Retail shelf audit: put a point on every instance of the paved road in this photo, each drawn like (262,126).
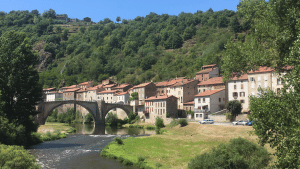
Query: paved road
(216,123)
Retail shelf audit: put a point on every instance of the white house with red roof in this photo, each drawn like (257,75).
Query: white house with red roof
(211,84)
(210,101)
(107,95)
(122,97)
(54,96)
(238,90)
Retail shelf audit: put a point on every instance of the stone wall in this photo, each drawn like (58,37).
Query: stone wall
(218,118)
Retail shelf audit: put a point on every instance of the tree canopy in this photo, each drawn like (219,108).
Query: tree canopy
(273,40)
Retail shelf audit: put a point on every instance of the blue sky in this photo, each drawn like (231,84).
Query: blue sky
(126,9)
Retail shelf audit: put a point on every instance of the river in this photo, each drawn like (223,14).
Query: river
(82,150)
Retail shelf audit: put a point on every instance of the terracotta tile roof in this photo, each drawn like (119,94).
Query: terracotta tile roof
(242,77)
(94,88)
(206,70)
(209,65)
(262,69)
(189,103)
(122,86)
(107,91)
(70,87)
(109,85)
(82,90)
(54,92)
(208,93)
(212,81)
(183,82)
(72,90)
(141,85)
(160,97)
(85,83)
(168,82)
(121,93)
(49,88)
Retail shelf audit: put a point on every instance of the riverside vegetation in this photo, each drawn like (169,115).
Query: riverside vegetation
(185,147)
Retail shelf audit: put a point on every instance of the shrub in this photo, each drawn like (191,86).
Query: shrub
(239,153)
(150,127)
(174,123)
(16,157)
(159,123)
(127,162)
(235,107)
(119,140)
(183,122)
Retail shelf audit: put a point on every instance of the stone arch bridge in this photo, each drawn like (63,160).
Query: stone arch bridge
(98,109)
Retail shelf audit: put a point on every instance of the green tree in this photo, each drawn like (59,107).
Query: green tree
(49,14)
(235,24)
(159,122)
(234,106)
(58,29)
(274,42)
(118,19)
(239,153)
(65,35)
(20,90)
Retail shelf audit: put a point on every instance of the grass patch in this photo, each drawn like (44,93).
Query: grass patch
(177,145)
(136,126)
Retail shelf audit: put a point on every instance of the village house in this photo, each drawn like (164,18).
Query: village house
(62,17)
(162,106)
(109,86)
(161,87)
(91,94)
(189,106)
(47,90)
(184,90)
(209,101)
(69,94)
(238,90)
(107,81)
(145,90)
(207,72)
(67,87)
(54,96)
(211,84)
(107,95)
(123,87)
(85,85)
(122,97)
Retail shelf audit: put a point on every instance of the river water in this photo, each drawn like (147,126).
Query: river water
(82,150)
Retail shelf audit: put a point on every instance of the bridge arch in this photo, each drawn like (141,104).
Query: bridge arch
(106,107)
(47,107)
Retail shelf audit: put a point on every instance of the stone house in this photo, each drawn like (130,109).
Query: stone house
(107,81)
(62,17)
(107,95)
(211,84)
(122,97)
(189,106)
(54,96)
(85,85)
(145,90)
(69,94)
(210,101)
(67,87)
(109,86)
(238,90)
(123,87)
(161,87)
(207,72)
(91,94)
(160,106)
(184,90)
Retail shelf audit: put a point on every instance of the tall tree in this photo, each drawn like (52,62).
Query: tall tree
(274,41)
(118,19)
(49,14)
(20,90)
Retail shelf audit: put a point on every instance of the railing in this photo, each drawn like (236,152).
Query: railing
(201,110)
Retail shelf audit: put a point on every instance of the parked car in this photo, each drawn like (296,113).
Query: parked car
(240,122)
(207,121)
(250,123)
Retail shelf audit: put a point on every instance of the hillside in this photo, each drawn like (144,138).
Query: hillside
(155,47)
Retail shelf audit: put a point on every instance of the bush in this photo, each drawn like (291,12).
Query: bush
(119,140)
(127,162)
(16,157)
(235,107)
(183,122)
(150,127)
(159,123)
(174,123)
(239,153)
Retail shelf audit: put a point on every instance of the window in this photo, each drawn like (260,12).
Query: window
(235,95)
(219,99)
(266,78)
(252,79)
(181,99)
(242,94)
(203,90)
(203,100)
(199,107)
(199,100)
(258,78)
(234,87)
(242,101)
(197,115)
(242,86)
(178,92)
(199,90)
(200,115)
(278,82)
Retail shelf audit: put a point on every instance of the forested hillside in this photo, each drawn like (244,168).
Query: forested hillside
(155,47)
